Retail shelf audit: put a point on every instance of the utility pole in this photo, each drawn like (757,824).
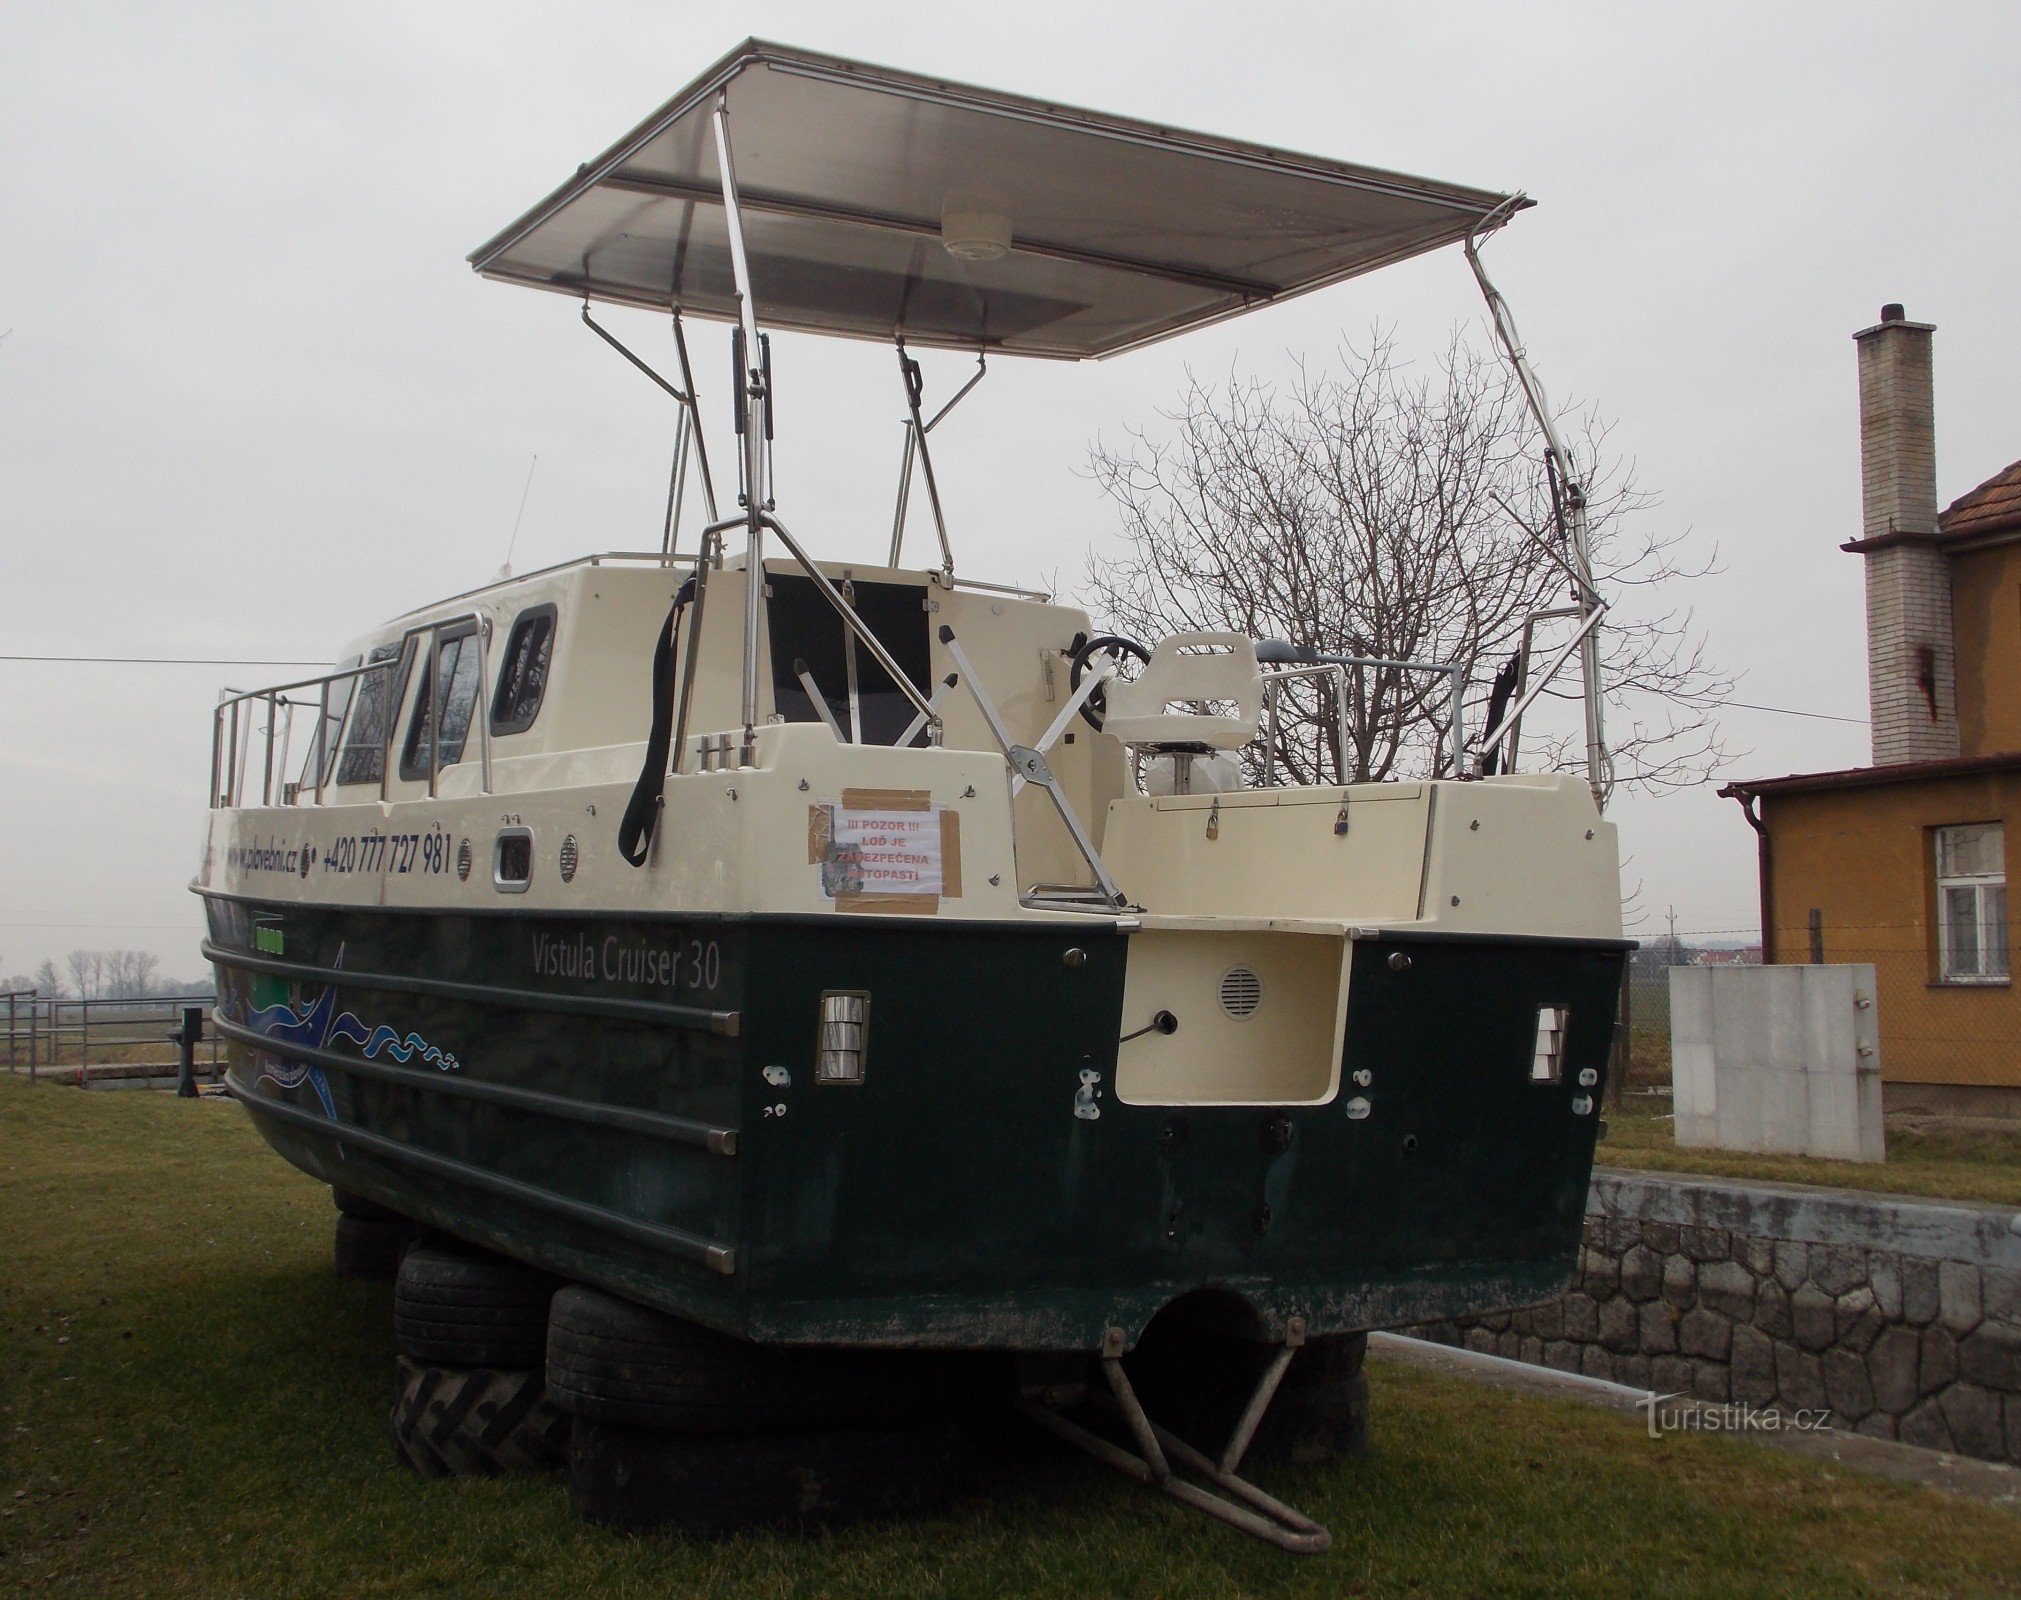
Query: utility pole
(1673,938)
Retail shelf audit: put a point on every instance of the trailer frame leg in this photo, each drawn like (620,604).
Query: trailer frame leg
(1259,1514)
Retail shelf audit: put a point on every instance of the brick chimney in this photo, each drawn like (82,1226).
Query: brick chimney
(1911,671)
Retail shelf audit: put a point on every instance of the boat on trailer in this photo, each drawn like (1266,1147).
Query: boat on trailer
(836,954)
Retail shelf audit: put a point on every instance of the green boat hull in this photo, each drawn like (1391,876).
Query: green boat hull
(630,1102)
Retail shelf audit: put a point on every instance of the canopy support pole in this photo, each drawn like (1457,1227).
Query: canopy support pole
(1569,501)
(916,430)
(752,407)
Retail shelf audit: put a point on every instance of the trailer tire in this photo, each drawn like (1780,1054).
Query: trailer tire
(612,1361)
(645,1479)
(369,1250)
(462,1422)
(356,1205)
(460,1308)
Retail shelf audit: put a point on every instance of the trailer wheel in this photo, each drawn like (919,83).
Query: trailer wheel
(459,1308)
(642,1479)
(461,1422)
(612,1361)
(369,1250)
(356,1205)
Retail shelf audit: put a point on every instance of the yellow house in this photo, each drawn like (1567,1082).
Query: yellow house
(1904,863)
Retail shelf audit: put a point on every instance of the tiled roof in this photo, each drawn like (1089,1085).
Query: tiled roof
(1993,507)
(1875,777)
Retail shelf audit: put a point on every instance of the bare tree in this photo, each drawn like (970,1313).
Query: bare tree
(85,969)
(1405,514)
(48,981)
(113,974)
(129,974)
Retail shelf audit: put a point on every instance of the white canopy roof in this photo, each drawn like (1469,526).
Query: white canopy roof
(855,180)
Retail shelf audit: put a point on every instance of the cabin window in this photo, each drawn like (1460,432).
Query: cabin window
(1972,903)
(808,633)
(363,759)
(522,676)
(323,741)
(456,660)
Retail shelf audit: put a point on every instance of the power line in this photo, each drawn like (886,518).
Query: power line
(1785,711)
(170,661)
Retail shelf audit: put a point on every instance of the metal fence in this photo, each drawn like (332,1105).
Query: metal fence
(103,1040)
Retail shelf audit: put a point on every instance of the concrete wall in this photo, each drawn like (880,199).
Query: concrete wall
(1863,859)
(1901,1316)
(1783,1059)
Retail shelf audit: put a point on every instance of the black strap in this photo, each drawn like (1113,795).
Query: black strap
(635,832)
(1498,702)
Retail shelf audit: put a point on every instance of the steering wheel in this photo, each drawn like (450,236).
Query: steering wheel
(1095,708)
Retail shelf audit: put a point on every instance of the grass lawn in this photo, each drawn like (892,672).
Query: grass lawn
(192,1404)
(1938,1163)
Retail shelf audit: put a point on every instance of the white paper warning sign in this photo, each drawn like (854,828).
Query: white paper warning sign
(876,853)
(888,850)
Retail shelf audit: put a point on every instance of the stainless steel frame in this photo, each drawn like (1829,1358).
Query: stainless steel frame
(229,753)
(1511,725)
(1310,664)
(1573,521)
(916,450)
(1028,765)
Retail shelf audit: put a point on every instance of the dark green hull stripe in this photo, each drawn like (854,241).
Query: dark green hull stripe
(686,1246)
(675,1130)
(1537,941)
(1084,922)
(728,1023)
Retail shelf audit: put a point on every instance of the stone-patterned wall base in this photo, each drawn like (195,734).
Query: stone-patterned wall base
(1902,1318)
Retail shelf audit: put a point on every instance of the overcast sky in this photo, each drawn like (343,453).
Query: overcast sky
(253,401)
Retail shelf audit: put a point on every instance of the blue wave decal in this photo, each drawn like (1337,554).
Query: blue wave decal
(319,1022)
(383,1038)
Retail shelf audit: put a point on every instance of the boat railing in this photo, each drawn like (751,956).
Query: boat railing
(234,731)
(1336,668)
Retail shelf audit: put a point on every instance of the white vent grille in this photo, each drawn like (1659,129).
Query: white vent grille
(463,859)
(1241,992)
(569,856)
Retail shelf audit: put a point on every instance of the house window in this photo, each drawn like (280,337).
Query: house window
(1972,903)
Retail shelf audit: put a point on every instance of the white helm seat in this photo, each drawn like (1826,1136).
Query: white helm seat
(1200,691)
